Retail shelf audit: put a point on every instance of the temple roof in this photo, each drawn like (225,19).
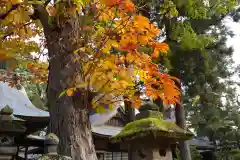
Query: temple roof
(19,102)
(201,142)
(106,130)
(23,108)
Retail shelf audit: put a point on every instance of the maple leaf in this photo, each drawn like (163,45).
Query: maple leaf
(159,48)
(70,91)
(11,85)
(116,45)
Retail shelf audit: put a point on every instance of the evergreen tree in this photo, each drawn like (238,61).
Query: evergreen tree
(200,58)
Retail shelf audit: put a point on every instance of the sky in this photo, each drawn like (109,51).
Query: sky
(234,41)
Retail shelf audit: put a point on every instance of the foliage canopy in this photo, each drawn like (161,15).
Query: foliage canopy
(114,44)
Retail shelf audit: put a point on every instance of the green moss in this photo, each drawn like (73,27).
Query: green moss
(151,126)
(6,110)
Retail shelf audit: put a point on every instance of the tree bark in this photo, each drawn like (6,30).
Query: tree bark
(68,115)
(130,113)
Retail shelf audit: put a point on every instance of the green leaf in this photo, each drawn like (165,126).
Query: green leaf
(111,106)
(100,110)
(195,100)
(62,94)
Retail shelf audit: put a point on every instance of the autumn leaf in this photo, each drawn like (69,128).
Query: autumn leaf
(11,85)
(3,56)
(159,48)
(70,91)
(109,60)
(136,102)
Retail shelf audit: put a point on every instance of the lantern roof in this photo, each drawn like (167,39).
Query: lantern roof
(152,127)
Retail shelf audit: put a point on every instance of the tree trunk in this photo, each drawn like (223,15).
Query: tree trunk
(185,153)
(130,113)
(183,145)
(72,127)
(68,115)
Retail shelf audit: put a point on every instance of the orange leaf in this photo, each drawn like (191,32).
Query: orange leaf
(136,102)
(11,85)
(70,92)
(155,53)
(159,47)
(3,56)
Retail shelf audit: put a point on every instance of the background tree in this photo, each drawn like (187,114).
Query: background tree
(35,91)
(199,57)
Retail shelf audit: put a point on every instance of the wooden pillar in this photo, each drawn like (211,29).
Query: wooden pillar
(185,153)
(25,154)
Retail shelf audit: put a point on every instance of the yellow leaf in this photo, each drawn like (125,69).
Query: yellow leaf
(70,91)
(111,106)
(130,57)
(16,1)
(82,85)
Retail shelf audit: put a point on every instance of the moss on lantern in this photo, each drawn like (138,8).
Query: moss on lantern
(52,136)
(151,126)
(7,110)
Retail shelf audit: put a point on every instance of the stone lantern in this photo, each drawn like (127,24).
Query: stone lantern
(9,128)
(150,136)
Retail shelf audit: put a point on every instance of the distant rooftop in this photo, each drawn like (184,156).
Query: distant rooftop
(19,102)
(201,142)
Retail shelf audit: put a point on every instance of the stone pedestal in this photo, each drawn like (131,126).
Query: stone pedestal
(153,154)
(50,144)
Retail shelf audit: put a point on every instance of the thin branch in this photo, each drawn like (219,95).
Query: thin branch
(4,15)
(42,15)
(11,33)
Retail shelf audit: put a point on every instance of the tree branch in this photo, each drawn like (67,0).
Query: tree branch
(11,33)
(41,13)
(4,15)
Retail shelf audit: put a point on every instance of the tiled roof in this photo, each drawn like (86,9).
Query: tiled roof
(199,142)
(106,130)
(19,102)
